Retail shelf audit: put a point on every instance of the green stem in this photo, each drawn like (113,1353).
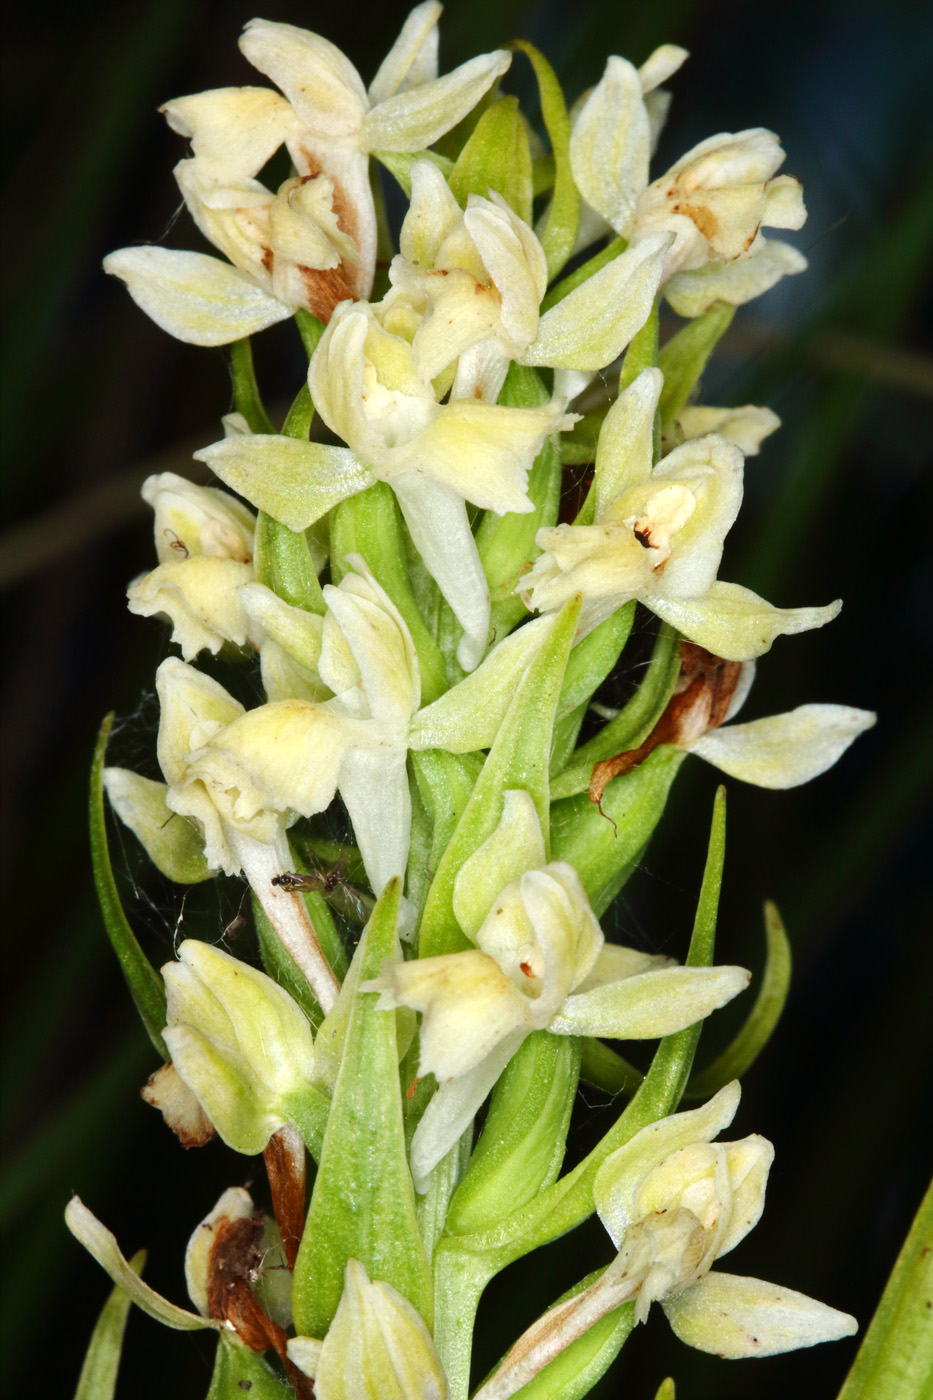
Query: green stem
(246,396)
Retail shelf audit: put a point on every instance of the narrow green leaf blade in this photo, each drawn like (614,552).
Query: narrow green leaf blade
(144,982)
(563,216)
(363,1204)
(761,1020)
(895,1361)
(98,1379)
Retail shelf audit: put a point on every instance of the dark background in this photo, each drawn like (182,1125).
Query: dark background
(96,397)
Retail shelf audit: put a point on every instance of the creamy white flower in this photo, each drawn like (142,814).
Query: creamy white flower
(674,1202)
(204,541)
(253,774)
(312,242)
(714,200)
(365,384)
(473,280)
(541,963)
(239,1042)
(658,536)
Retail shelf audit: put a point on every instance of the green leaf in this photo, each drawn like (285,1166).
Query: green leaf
(506,543)
(592,660)
(371,524)
(98,1379)
(761,1020)
(632,725)
(666,1390)
(522,1145)
(604,847)
(246,396)
(363,1205)
(238,1371)
(144,982)
(576,278)
(683,359)
(519,758)
(496,157)
(895,1360)
(562,220)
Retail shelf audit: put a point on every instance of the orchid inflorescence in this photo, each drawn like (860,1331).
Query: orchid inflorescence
(433,616)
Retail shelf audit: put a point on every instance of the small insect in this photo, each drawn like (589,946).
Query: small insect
(351,903)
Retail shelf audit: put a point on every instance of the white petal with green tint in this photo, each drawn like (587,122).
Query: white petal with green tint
(233,131)
(319,81)
(454,1106)
(733,622)
(172,843)
(610,144)
(294,482)
(617,1182)
(416,117)
(437,520)
(737,1317)
(515,846)
(200,596)
(99,1241)
(747,427)
(651,1003)
(783,751)
(195,297)
(412,59)
(624,451)
(756,272)
(193,708)
(589,328)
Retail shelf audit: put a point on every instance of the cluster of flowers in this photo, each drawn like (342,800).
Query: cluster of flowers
(447,394)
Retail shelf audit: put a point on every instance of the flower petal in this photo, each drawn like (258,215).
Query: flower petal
(98,1240)
(786,750)
(319,81)
(736,1317)
(624,451)
(733,622)
(195,297)
(233,131)
(650,1004)
(412,59)
(454,1106)
(295,482)
(618,1179)
(593,325)
(610,144)
(766,262)
(747,427)
(437,521)
(374,788)
(200,596)
(415,117)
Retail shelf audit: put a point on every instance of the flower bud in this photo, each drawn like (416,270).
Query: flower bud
(377,1347)
(238,1041)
